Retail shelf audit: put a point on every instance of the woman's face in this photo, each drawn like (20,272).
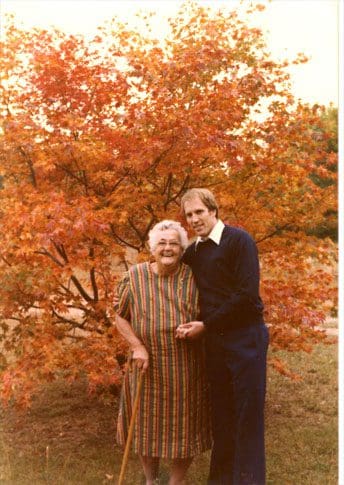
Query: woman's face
(168,250)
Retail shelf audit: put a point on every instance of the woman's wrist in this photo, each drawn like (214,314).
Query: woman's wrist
(136,346)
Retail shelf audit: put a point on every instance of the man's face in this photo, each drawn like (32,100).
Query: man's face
(199,217)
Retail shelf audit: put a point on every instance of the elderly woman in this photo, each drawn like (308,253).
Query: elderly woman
(173,416)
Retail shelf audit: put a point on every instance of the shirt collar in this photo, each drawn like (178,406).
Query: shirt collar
(215,233)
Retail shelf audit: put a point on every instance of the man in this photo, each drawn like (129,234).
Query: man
(225,264)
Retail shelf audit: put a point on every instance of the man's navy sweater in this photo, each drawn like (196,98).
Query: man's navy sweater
(227,277)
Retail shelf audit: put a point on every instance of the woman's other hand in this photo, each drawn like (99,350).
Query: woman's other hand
(140,357)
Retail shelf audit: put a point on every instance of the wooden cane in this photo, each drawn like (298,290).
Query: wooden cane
(131,429)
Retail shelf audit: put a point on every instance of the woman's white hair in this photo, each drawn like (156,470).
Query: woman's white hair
(154,236)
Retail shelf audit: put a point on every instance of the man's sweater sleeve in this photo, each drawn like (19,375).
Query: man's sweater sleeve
(244,298)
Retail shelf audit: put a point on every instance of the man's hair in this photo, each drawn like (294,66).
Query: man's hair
(204,195)
(154,234)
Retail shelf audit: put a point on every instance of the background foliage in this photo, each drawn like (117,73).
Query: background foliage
(99,141)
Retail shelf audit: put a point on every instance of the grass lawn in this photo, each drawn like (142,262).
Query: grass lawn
(67,437)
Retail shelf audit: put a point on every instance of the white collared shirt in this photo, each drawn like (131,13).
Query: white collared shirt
(215,234)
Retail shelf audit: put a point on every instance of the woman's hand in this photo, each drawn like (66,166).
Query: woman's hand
(190,330)
(140,357)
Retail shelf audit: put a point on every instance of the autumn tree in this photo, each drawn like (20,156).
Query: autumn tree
(100,138)
(328,129)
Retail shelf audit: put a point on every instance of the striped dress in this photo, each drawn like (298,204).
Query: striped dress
(173,418)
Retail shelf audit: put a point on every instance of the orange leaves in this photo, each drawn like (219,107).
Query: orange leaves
(299,294)
(283,369)
(46,359)
(100,141)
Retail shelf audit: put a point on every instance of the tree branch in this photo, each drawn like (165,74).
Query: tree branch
(5,260)
(177,195)
(93,278)
(67,320)
(66,289)
(126,243)
(30,164)
(276,231)
(80,288)
(44,252)
(114,187)
(136,230)
(160,157)
(61,250)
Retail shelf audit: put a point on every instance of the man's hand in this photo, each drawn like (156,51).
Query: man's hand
(190,330)
(140,357)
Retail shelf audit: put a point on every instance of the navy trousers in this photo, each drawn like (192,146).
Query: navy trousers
(236,363)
